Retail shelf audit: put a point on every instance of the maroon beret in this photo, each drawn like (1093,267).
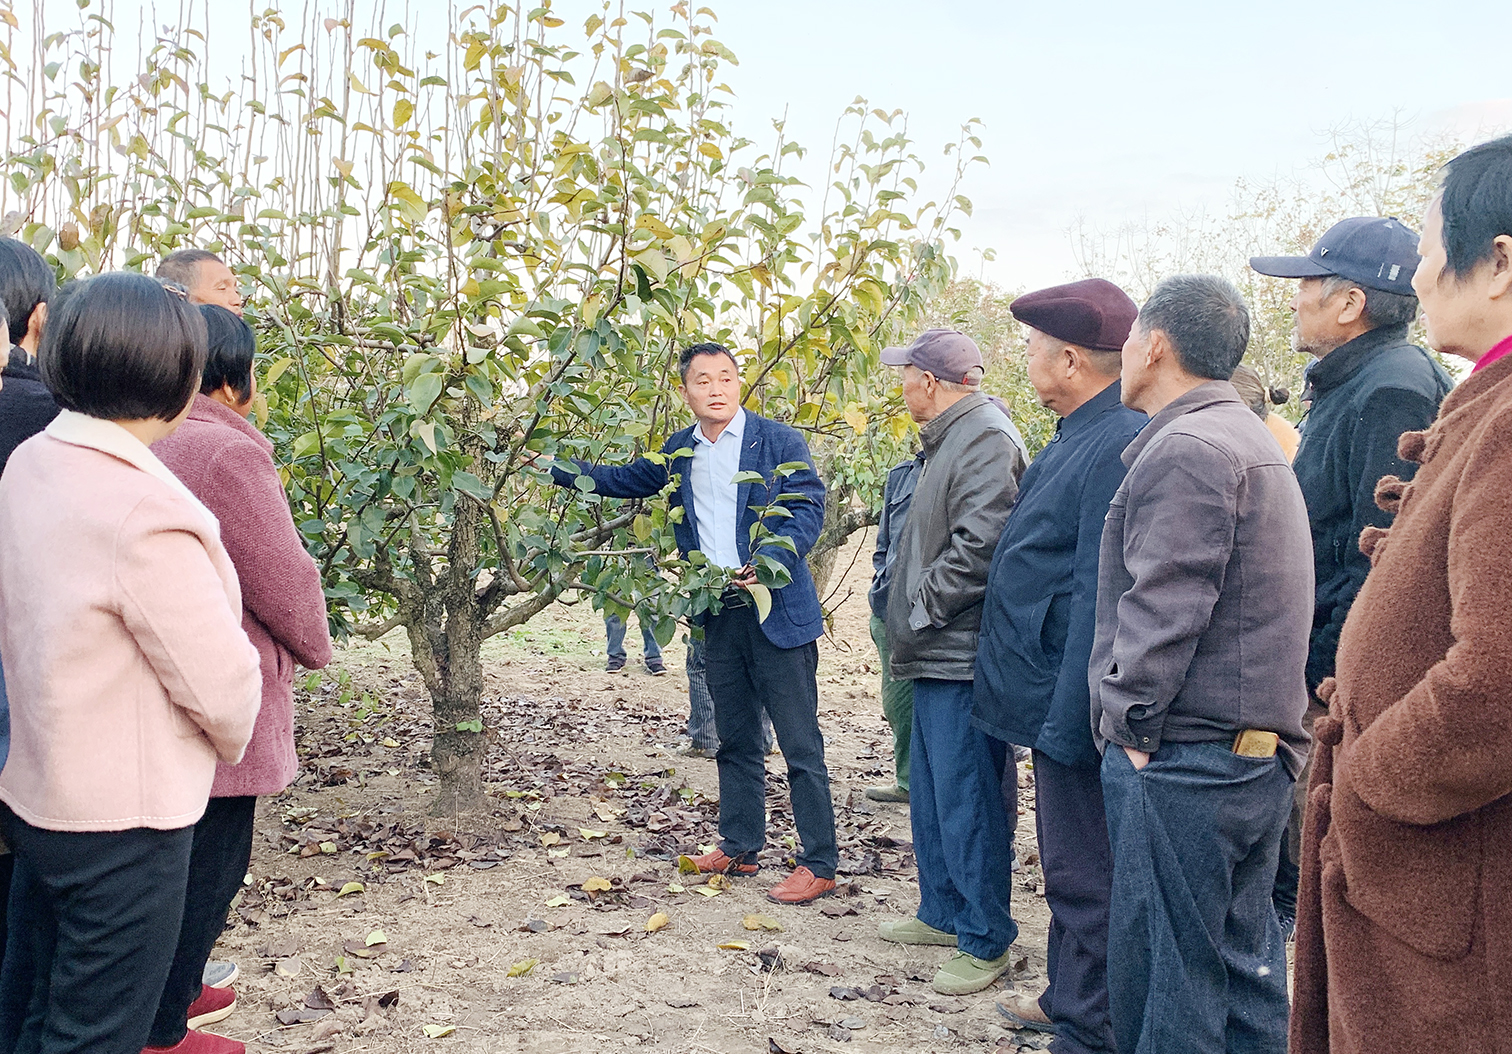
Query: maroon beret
(1092,313)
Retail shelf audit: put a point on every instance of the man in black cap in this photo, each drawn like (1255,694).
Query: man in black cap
(973,458)
(1038,621)
(1368,385)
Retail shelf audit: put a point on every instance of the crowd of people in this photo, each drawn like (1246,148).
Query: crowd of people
(1260,674)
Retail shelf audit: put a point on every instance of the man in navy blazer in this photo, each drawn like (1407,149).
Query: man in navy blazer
(750,663)
(1038,620)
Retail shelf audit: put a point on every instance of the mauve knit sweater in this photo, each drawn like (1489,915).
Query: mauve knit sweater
(228,464)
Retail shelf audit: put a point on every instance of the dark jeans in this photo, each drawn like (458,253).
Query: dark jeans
(1288,866)
(217,863)
(897,704)
(748,673)
(1197,962)
(614,633)
(94,917)
(701,730)
(1078,863)
(960,824)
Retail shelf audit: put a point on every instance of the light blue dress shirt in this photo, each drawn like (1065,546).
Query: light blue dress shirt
(714,495)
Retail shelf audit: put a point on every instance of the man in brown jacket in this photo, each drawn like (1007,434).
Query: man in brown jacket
(1204,598)
(1404,928)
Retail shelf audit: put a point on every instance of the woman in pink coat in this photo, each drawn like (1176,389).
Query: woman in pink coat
(227,463)
(128,671)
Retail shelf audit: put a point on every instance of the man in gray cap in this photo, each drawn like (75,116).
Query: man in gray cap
(973,458)
(1367,385)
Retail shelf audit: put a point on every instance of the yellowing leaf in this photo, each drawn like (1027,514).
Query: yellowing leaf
(357,85)
(328,847)
(708,149)
(521,968)
(558,852)
(436,880)
(762,596)
(352,887)
(550,838)
(675,888)
(597,885)
(720,882)
(590,835)
(735,946)
(855,417)
(599,94)
(376,937)
(437,1031)
(761,922)
(686,866)
(657,921)
(707,891)
(390,742)
(403,111)
(560,901)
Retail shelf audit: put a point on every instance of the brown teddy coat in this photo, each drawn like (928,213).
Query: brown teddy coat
(1404,928)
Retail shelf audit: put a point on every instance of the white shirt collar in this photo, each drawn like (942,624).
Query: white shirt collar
(735,428)
(78,429)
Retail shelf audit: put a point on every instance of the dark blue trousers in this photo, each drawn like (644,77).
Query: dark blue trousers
(960,826)
(747,674)
(614,638)
(1078,864)
(1196,960)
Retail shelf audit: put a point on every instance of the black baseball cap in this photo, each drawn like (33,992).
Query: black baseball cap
(1377,253)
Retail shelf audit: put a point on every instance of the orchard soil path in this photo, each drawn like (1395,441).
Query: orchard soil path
(490,935)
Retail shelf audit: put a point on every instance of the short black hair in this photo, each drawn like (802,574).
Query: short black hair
(1381,308)
(25,282)
(685,360)
(1205,318)
(182,265)
(122,347)
(231,345)
(1476,204)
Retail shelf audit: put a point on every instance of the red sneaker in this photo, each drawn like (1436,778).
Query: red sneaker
(801,887)
(719,861)
(214,1004)
(200,1043)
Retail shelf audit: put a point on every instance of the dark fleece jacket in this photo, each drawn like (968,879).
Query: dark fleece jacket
(1404,935)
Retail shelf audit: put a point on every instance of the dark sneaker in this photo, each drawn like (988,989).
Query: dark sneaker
(213,1004)
(720,862)
(801,887)
(614,666)
(656,668)
(688,750)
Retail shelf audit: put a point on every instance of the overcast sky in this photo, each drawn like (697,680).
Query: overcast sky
(1099,112)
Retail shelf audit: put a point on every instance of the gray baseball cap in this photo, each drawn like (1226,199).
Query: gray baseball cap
(946,353)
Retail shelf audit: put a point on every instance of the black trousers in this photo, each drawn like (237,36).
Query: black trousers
(94,916)
(217,863)
(1078,864)
(746,673)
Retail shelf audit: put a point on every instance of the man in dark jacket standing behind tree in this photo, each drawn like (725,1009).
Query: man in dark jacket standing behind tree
(973,458)
(26,406)
(1367,385)
(1037,624)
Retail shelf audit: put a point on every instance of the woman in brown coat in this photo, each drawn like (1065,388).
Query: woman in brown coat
(1404,935)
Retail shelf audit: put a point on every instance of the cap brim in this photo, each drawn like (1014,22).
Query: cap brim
(1289,266)
(895,357)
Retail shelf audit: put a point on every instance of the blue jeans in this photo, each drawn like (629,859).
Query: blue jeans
(960,824)
(614,631)
(701,730)
(1196,960)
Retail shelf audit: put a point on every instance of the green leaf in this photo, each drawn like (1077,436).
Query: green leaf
(471,485)
(425,391)
(747,477)
(438,1031)
(763,599)
(475,725)
(350,888)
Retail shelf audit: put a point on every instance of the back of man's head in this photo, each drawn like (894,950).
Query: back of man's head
(26,281)
(182,265)
(1476,205)
(1206,321)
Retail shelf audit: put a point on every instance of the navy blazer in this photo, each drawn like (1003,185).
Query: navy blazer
(796,617)
(1039,615)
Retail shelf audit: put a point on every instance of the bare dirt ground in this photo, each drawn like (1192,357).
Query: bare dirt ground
(367,926)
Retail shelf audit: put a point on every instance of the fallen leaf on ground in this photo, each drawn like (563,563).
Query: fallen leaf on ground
(708,891)
(836,909)
(597,885)
(521,968)
(550,838)
(559,901)
(363,951)
(720,882)
(437,1031)
(761,922)
(823,969)
(436,880)
(318,1000)
(563,978)
(675,888)
(352,887)
(590,835)
(376,937)
(288,968)
(735,946)
(657,922)
(686,866)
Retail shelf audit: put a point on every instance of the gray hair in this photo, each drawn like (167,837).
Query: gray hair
(1206,320)
(1381,308)
(182,266)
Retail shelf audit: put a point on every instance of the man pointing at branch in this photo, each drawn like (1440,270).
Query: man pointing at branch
(751,663)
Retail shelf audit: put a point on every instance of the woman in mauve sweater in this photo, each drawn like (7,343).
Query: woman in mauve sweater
(128,672)
(228,464)
(1404,922)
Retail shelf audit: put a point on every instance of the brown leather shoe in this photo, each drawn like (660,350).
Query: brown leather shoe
(1023,1011)
(720,862)
(801,887)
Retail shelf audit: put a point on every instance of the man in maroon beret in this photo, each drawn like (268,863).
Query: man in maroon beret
(1038,621)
